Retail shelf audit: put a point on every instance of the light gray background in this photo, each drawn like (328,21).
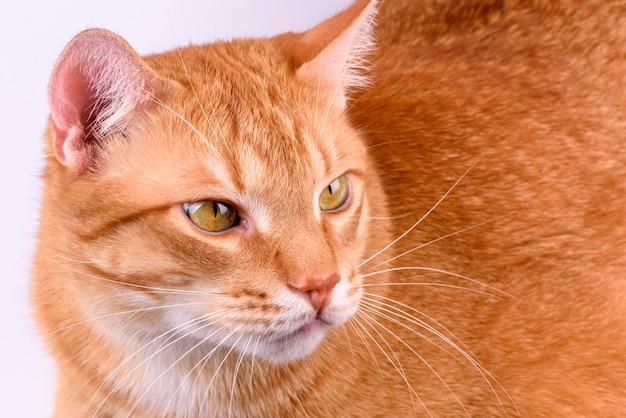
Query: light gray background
(32,34)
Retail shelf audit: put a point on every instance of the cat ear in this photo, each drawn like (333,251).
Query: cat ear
(332,54)
(98,84)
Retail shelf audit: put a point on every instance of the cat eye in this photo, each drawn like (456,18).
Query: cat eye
(212,215)
(335,194)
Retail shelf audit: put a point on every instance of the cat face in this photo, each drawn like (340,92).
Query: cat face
(231,209)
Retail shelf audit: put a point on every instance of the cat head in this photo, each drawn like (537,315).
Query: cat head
(218,191)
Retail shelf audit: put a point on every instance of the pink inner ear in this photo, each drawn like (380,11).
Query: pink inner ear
(71,97)
(339,46)
(97,84)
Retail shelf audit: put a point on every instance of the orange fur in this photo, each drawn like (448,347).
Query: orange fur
(498,125)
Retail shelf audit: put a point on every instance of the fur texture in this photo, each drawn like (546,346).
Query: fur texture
(476,268)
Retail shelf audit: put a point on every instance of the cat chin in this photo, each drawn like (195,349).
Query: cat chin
(294,346)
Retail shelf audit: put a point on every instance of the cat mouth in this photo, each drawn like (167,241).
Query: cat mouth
(311,326)
(296,343)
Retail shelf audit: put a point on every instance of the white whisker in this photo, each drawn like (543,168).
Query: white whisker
(120,313)
(180,358)
(419,221)
(164,345)
(398,366)
(420,357)
(365,343)
(419,247)
(235,373)
(217,370)
(388,311)
(132,285)
(447,273)
(431,284)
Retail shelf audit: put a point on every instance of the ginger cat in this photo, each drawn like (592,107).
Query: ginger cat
(416,208)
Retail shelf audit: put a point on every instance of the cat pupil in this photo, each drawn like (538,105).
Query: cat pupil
(335,194)
(212,215)
(216,208)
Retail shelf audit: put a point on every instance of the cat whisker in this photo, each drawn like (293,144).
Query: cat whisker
(420,220)
(219,367)
(164,345)
(235,373)
(389,142)
(419,247)
(193,128)
(345,331)
(120,313)
(110,376)
(388,312)
(198,366)
(397,365)
(180,358)
(195,94)
(431,284)
(252,362)
(396,313)
(365,343)
(444,272)
(411,349)
(134,285)
(65,258)
(404,309)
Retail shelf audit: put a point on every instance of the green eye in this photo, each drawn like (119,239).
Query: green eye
(211,215)
(335,194)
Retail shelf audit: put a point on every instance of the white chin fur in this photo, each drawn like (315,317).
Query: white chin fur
(291,348)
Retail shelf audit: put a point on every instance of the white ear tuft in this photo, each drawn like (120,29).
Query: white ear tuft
(334,53)
(95,88)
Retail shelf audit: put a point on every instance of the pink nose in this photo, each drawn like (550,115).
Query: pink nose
(317,290)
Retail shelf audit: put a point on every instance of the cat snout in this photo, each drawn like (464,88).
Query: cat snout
(317,288)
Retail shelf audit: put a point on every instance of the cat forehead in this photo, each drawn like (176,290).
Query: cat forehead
(240,131)
(255,110)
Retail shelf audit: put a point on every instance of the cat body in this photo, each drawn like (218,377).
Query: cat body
(474,266)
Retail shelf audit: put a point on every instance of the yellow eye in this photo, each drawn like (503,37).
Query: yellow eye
(335,194)
(211,215)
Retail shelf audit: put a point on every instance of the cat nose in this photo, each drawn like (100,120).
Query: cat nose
(317,288)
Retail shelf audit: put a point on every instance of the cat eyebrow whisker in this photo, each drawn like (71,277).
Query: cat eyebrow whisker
(317,98)
(380,144)
(390,218)
(194,129)
(419,221)
(198,101)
